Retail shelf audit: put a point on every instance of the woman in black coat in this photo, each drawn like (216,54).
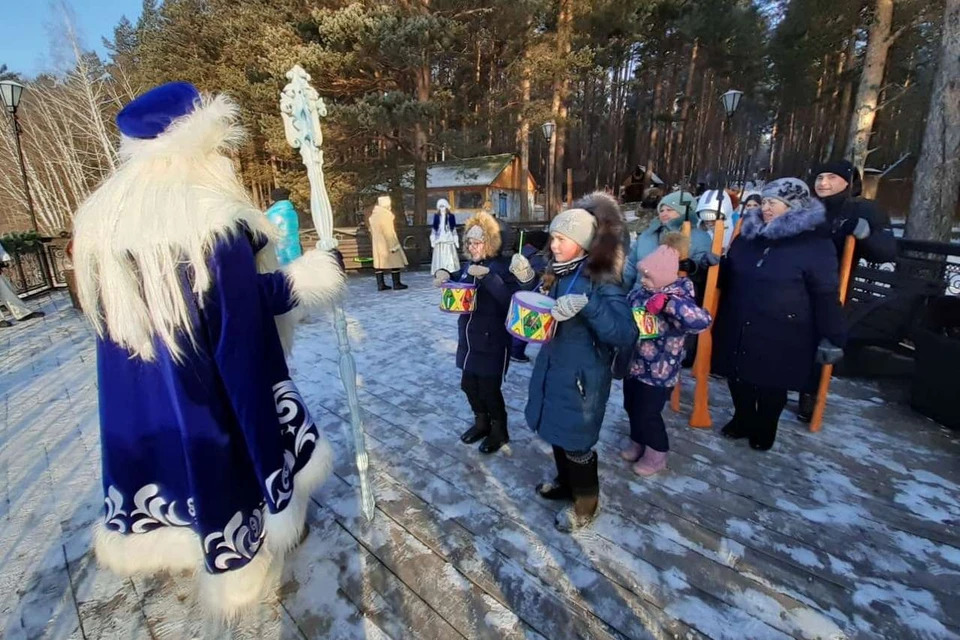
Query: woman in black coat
(779,309)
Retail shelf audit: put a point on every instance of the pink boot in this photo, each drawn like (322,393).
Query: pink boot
(633,452)
(650,462)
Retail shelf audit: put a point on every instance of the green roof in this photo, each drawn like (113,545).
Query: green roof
(467,172)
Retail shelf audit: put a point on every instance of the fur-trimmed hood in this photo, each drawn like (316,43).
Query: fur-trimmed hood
(170,201)
(792,223)
(606,254)
(493,243)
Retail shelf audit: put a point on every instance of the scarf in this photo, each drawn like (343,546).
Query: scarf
(565,268)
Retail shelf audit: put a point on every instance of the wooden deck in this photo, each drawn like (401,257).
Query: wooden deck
(850,533)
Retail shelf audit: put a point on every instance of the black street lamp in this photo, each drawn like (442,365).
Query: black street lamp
(548,128)
(731,102)
(11,92)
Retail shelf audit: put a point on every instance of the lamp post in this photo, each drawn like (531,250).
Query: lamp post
(548,128)
(11,92)
(731,102)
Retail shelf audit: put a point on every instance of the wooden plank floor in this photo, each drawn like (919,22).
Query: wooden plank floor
(850,533)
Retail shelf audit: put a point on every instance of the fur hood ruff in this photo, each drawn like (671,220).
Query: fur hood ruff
(790,224)
(491,234)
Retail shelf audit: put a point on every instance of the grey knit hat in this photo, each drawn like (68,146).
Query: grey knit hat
(792,192)
(577,224)
(474,233)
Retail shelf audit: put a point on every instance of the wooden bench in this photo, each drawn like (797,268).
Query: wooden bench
(886,301)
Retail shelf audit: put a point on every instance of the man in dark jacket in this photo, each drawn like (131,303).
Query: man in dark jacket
(838,185)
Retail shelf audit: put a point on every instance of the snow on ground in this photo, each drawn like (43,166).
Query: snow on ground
(849,533)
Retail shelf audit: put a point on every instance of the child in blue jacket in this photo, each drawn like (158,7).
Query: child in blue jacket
(571,379)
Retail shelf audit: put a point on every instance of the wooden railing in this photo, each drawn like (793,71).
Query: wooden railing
(39,270)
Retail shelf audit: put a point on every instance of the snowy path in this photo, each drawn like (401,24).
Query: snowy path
(850,533)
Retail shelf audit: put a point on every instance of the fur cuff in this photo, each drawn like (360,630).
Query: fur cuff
(315,279)
(285,527)
(225,595)
(165,549)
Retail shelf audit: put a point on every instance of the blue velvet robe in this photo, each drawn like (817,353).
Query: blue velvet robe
(212,441)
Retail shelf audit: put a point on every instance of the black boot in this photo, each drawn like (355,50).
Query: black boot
(381,285)
(805,407)
(559,489)
(770,404)
(735,429)
(479,430)
(397,285)
(497,437)
(585,484)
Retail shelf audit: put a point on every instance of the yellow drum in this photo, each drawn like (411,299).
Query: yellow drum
(647,323)
(458,297)
(529,318)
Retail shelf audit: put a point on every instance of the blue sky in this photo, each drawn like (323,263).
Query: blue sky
(30,27)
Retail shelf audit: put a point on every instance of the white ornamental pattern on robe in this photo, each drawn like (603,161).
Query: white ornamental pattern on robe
(239,540)
(299,434)
(151,510)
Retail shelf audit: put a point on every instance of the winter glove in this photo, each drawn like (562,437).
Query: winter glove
(710,259)
(568,306)
(859,228)
(478,270)
(862,230)
(828,353)
(688,266)
(520,267)
(656,303)
(440,277)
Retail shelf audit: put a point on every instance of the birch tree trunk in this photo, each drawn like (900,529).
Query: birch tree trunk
(936,179)
(871,81)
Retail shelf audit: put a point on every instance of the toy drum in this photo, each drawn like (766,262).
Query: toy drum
(647,323)
(458,297)
(529,318)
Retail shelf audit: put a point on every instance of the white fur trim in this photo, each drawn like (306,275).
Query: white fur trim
(211,127)
(316,279)
(175,549)
(166,206)
(285,528)
(226,595)
(164,549)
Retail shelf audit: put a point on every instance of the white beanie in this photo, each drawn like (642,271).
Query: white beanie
(577,224)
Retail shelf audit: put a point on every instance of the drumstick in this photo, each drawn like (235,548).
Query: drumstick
(846,266)
(700,418)
(520,249)
(675,395)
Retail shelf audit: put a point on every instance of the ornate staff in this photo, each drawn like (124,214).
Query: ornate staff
(302,108)
(846,266)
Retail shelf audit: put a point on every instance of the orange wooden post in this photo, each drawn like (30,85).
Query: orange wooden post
(846,267)
(675,396)
(700,418)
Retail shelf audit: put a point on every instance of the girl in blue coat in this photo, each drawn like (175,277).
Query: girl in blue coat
(779,309)
(571,379)
(483,349)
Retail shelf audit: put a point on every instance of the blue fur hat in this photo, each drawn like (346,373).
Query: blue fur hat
(150,114)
